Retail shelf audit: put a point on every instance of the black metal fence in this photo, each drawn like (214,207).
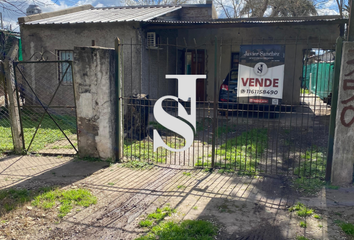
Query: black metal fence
(47,106)
(287,137)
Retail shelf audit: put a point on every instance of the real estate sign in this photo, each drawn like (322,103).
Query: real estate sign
(261,73)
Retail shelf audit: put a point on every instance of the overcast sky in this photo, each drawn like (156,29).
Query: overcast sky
(10,17)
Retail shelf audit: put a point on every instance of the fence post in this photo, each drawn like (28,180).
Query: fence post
(215,105)
(351,21)
(119,106)
(334,101)
(14,105)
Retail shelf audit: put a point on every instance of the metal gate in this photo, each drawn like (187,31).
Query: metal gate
(286,138)
(47,106)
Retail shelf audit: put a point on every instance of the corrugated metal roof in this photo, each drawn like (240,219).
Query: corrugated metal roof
(256,20)
(106,15)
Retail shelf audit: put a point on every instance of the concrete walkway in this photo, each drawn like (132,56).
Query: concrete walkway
(243,207)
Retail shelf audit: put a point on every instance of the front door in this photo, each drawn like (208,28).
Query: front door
(195,64)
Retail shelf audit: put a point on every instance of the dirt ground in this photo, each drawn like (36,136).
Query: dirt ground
(242,207)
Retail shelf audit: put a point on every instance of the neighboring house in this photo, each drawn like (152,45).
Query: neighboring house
(169,39)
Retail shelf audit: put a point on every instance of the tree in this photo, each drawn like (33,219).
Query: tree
(342,6)
(279,8)
(154,2)
(255,8)
(292,8)
(232,10)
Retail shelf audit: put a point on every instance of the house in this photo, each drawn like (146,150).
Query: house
(181,39)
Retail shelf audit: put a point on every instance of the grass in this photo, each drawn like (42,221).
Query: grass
(301,210)
(317,216)
(311,172)
(308,186)
(157,216)
(187,174)
(47,133)
(65,200)
(313,164)
(305,91)
(181,187)
(301,238)
(242,151)
(12,198)
(138,165)
(188,229)
(348,228)
(170,230)
(145,223)
(303,224)
(110,184)
(222,130)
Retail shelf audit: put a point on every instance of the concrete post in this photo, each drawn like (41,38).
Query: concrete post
(343,154)
(14,108)
(119,85)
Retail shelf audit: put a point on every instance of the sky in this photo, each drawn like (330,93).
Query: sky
(10,17)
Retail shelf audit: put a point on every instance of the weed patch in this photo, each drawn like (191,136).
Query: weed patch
(301,238)
(64,199)
(138,165)
(241,152)
(348,228)
(301,210)
(46,134)
(303,224)
(12,198)
(188,229)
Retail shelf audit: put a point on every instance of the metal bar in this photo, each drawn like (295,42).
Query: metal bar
(46,108)
(57,61)
(77,125)
(351,21)
(38,106)
(334,101)
(215,104)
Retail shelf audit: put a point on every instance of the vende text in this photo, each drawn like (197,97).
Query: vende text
(260,82)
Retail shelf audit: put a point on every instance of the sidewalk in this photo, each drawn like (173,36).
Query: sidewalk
(243,207)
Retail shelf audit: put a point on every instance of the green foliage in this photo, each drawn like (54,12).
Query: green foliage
(317,216)
(144,151)
(181,187)
(305,91)
(348,228)
(301,210)
(10,199)
(110,184)
(308,186)
(303,224)
(301,238)
(187,174)
(225,129)
(47,133)
(138,165)
(145,223)
(188,229)
(329,186)
(312,164)
(242,151)
(66,199)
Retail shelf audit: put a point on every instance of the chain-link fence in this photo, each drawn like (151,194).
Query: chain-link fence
(47,104)
(6,142)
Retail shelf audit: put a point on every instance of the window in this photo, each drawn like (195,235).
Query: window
(63,67)
(151,39)
(235,58)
